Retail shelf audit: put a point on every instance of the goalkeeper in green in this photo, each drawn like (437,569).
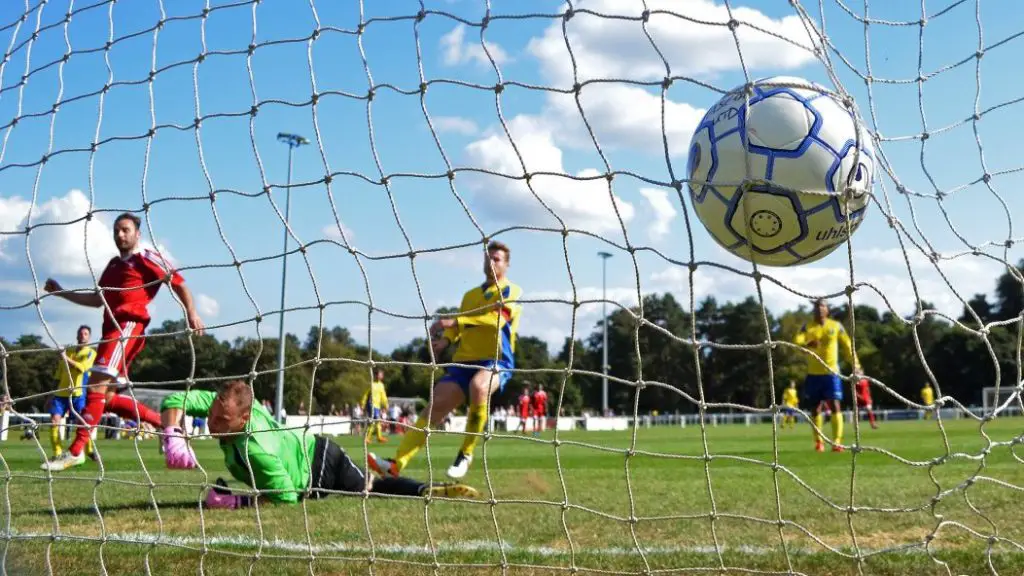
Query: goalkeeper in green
(281,464)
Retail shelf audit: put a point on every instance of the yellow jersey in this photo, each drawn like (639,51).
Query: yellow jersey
(488,323)
(790,398)
(927,396)
(825,339)
(375,396)
(69,377)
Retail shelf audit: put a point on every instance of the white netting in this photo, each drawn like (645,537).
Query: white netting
(565,120)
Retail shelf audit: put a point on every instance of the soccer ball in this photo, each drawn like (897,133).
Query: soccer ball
(811,168)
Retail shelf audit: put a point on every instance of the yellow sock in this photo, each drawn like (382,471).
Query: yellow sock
(412,441)
(369,430)
(837,427)
(476,419)
(89,448)
(819,421)
(55,441)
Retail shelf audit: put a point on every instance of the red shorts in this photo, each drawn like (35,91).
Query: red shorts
(524,415)
(864,401)
(119,346)
(538,414)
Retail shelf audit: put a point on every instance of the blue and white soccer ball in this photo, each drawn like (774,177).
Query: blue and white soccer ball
(811,168)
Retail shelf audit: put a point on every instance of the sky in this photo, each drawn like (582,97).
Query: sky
(358,234)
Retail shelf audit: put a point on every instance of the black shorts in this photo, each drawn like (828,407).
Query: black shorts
(333,470)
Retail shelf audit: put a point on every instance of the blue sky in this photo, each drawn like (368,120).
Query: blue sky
(424,213)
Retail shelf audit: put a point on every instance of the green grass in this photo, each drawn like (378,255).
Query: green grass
(681,524)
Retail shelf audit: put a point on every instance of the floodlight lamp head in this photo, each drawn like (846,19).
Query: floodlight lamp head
(293,140)
(605,255)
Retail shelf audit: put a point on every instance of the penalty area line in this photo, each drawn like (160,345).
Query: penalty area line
(467,546)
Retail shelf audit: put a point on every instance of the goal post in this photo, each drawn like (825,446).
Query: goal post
(390,143)
(1001,401)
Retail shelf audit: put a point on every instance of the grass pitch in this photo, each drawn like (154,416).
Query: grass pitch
(587,504)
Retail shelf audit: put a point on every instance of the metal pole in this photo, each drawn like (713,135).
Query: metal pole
(604,329)
(293,142)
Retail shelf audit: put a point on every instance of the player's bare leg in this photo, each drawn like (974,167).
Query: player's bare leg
(484,384)
(447,395)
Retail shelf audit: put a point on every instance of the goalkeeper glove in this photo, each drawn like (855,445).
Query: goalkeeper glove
(177,453)
(221,497)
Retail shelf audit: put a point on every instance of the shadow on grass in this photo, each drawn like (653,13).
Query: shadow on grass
(127,507)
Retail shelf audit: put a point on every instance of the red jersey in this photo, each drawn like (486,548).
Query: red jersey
(524,405)
(540,402)
(864,388)
(130,284)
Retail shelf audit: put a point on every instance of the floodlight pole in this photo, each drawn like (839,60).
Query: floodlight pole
(293,141)
(604,328)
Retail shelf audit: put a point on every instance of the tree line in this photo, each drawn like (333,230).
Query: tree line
(892,349)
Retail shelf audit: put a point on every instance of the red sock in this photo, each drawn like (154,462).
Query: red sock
(125,406)
(871,417)
(94,407)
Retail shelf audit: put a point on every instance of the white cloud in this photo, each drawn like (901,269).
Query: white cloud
(621,116)
(207,306)
(583,204)
(626,116)
(664,211)
(455,124)
(457,50)
(61,237)
(617,48)
(331,231)
(12,214)
(18,287)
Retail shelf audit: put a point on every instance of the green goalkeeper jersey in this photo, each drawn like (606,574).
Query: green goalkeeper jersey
(279,459)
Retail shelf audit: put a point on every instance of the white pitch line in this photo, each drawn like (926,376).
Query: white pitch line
(443,547)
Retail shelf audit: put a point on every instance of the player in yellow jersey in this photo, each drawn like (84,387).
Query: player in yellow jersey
(927,398)
(790,401)
(69,399)
(825,337)
(375,406)
(485,333)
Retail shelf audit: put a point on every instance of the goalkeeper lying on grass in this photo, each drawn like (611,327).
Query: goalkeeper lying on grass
(283,465)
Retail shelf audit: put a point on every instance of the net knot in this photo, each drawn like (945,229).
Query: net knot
(733,24)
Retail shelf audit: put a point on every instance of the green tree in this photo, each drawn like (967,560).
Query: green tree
(169,356)
(29,371)
(247,355)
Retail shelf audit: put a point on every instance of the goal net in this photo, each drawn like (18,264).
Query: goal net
(333,172)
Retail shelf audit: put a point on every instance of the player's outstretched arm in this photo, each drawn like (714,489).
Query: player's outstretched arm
(185,295)
(268,474)
(81,362)
(177,453)
(846,344)
(90,299)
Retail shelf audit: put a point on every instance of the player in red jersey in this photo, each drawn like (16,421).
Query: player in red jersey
(127,286)
(863,398)
(524,410)
(540,409)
